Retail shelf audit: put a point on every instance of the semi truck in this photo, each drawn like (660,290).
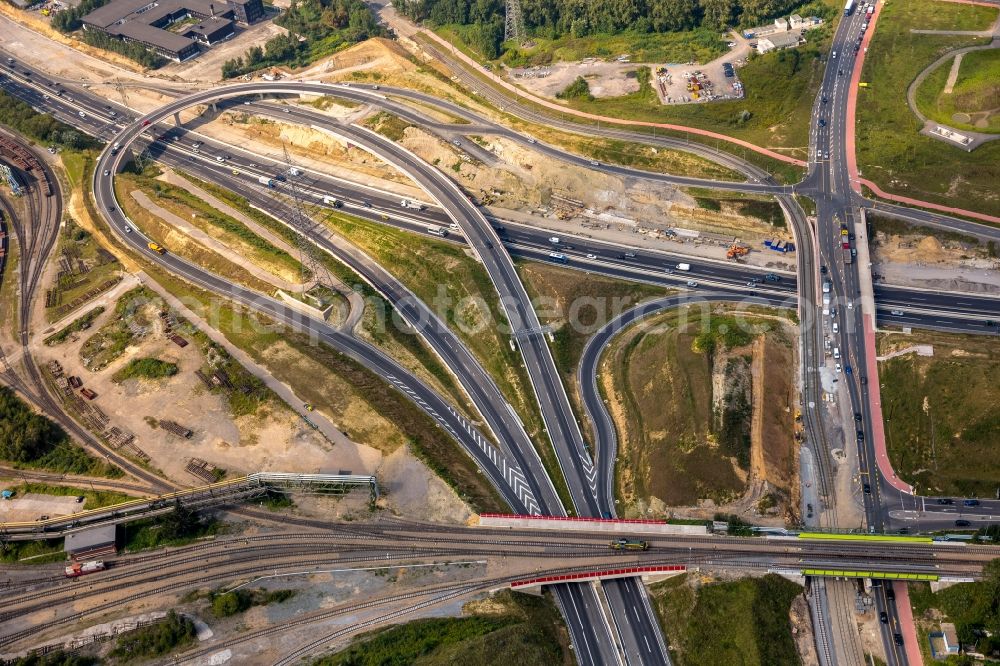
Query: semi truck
(83,568)
(332,201)
(436,230)
(849,8)
(629,544)
(266,180)
(415,205)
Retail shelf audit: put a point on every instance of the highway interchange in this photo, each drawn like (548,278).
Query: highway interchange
(589,484)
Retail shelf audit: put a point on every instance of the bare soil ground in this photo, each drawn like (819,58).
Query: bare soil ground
(606,79)
(921,260)
(208,66)
(33,505)
(665,397)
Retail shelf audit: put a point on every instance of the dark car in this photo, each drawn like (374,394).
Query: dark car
(771,277)
(883,617)
(897,639)
(500,229)
(945,500)
(822,269)
(962,523)
(861,435)
(857,416)
(864,380)
(890,594)
(971,502)
(867,488)
(822,122)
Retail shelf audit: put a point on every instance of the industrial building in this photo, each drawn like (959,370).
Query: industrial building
(148,23)
(92,542)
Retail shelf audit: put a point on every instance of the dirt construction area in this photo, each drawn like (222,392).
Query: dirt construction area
(605,79)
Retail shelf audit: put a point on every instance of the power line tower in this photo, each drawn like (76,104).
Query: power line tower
(120,87)
(513,23)
(312,267)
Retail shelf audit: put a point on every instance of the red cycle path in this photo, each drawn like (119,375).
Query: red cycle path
(852,105)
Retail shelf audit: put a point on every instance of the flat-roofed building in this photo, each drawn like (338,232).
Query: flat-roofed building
(146,22)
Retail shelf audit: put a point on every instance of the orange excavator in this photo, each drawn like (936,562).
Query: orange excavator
(737,251)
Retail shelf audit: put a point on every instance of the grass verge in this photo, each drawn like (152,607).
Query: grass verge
(93,499)
(740,622)
(942,413)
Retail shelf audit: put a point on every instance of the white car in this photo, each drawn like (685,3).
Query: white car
(850,305)
(838,368)
(220,158)
(128,230)
(594,163)
(107,173)
(692,283)
(81,114)
(591,256)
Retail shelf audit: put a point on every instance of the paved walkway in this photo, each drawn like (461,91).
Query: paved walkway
(919,350)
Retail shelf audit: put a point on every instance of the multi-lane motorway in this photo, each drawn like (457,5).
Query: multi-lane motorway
(588,485)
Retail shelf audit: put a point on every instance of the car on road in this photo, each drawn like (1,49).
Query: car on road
(857,416)
(897,639)
(836,366)
(883,617)
(896,313)
(236,172)
(457,142)
(145,123)
(220,158)
(890,594)
(692,283)
(822,122)
(823,270)
(128,230)
(752,284)
(530,140)
(860,435)
(971,502)
(834,54)
(771,277)
(594,163)
(962,523)
(848,369)
(864,380)
(945,500)
(867,488)
(81,114)
(554,240)
(107,173)
(591,256)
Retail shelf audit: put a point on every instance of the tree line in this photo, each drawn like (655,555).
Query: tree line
(39,126)
(553,19)
(315,28)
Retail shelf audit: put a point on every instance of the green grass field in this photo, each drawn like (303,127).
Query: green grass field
(742,622)
(942,413)
(890,150)
(974,102)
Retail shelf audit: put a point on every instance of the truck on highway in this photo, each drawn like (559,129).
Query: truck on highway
(558,257)
(157,248)
(332,201)
(629,544)
(848,253)
(83,568)
(266,180)
(436,230)
(849,8)
(415,205)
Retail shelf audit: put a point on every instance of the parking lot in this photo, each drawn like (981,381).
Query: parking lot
(33,507)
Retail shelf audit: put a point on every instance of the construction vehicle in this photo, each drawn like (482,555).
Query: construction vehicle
(83,568)
(157,248)
(629,544)
(737,251)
